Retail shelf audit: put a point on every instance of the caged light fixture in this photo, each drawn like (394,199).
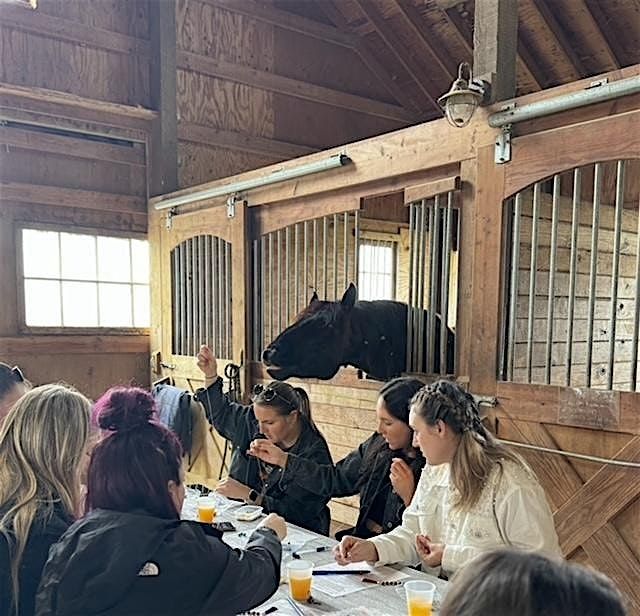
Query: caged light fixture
(466,93)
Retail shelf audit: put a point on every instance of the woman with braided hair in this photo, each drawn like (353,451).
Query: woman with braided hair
(474,495)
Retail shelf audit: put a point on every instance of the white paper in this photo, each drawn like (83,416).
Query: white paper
(341,585)
(359,566)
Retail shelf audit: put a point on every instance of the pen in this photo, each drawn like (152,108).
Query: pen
(296,609)
(350,572)
(323,548)
(381,582)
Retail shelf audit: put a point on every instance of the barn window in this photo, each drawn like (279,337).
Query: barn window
(81,280)
(376,269)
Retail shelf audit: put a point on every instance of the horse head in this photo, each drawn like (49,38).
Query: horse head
(314,345)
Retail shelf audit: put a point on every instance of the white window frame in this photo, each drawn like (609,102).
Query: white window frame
(70,329)
(370,238)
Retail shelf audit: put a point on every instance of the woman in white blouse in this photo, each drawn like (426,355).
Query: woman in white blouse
(474,495)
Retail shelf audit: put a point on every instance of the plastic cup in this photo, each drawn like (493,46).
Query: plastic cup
(299,574)
(206,509)
(419,597)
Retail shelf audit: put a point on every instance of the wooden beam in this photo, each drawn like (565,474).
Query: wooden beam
(599,34)
(73,344)
(242,142)
(284,19)
(430,189)
(611,39)
(395,45)
(291,87)
(70,197)
(495,37)
(163,173)
(360,47)
(40,24)
(568,49)
(418,27)
(530,64)
(68,145)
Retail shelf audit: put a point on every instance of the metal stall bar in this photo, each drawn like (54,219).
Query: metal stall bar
(325,232)
(636,315)
(264,311)
(279,278)
(434,238)
(617,231)
(356,247)
(315,254)
(335,256)
(195,291)
(271,303)
(175,308)
(201,300)
(190,295)
(555,205)
(532,278)
(575,225)
(207,290)
(228,300)
(221,306)
(444,310)
(296,269)
(593,267)
(420,326)
(287,275)
(410,301)
(256,302)
(513,291)
(345,245)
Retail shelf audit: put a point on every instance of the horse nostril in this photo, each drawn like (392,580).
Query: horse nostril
(267,354)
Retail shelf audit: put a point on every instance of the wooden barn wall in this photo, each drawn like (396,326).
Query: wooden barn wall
(79,68)
(251,93)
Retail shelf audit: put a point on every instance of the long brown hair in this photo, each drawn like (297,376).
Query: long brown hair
(478,452)
(42,443)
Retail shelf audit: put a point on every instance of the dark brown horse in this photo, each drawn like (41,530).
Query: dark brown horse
(371,336)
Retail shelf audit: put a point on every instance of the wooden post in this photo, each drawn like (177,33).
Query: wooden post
(241,289)
(495,42)
(164,139)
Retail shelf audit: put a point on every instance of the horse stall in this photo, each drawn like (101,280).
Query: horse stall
(518,278)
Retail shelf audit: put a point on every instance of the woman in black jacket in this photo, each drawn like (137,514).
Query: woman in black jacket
(384,470)
(42,444)
(132,555)
(280,414)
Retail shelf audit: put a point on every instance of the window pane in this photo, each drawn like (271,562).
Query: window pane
(114,260)
(115,305)
(42,303)
(141,306)
(140,261)
(375,270)
(80,304)
(78,257)
(40,254)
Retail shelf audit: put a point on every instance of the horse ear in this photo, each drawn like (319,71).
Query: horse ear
(350,296)
(314,298)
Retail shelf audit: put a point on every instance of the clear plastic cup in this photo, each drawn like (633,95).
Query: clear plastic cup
(206,509)
(419,597)
(299,574)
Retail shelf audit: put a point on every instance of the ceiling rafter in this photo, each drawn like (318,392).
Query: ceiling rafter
(559,34)
(394,44)
(416,23)
(386,78)
(525,57)
(610,41)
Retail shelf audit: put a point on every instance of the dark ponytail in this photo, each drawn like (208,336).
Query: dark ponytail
(284,398)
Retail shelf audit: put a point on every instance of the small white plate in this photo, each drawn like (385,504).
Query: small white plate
(247,513)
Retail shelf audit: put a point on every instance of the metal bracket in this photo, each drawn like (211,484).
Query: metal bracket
(231,205)
(503,145)
(168,222)
(597,83)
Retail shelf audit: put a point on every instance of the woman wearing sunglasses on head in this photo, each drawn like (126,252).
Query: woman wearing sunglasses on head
(13,386)
(281,414)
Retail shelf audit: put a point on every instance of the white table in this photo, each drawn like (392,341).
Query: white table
(373,600)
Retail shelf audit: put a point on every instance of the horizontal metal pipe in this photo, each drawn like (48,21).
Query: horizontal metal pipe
(589,96)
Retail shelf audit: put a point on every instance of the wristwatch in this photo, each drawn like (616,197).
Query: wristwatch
(253,496)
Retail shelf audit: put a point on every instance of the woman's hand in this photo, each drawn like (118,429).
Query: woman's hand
(354,550)
(402,480)
(268,452)
(207,363)
(276,524)
(231,488)
(430,553)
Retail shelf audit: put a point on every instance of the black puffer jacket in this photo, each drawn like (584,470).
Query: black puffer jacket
(133,564)
(365,471)
(298,503)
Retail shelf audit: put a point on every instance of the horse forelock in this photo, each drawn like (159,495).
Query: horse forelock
(327,312)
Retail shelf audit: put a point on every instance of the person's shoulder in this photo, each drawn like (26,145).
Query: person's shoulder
(515,474)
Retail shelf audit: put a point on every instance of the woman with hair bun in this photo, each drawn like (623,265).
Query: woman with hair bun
(281,414)
(132,554)
(474,495)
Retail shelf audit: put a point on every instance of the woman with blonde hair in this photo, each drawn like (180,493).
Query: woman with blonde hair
(42,445)
(474,494)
